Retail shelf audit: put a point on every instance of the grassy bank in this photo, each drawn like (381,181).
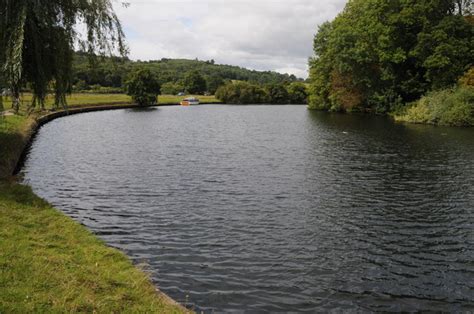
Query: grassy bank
(14,134)
(451,107)
(86,99)
(48,262)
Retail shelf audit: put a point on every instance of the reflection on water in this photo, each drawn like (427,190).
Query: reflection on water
(272,208)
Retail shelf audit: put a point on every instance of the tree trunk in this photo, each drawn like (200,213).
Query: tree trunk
(459,2)
(15,100)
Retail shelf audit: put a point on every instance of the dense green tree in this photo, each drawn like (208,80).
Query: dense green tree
(37,39)
(194,83)
(277,94)
(378,54)
(241,93)
(172,88)
(168,70)
(143,86)
(213,83)
(297,93)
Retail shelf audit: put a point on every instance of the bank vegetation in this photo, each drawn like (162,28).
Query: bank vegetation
(387,57)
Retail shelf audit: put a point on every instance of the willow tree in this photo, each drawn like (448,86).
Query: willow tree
(38,37)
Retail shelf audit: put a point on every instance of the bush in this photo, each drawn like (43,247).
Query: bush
(241,93)
(454,107)
(144,87)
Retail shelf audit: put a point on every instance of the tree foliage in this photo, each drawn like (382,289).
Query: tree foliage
(468,78)
(143,86)
(112,72)
(242,93)
(246,93)
(194,83)
(297,93)
(378,54)
(213,82)
(171,88)
(277,93)
(38,36)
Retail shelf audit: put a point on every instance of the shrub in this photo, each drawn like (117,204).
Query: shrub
(143,86)
(454,107)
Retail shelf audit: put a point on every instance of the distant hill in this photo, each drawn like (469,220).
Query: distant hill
(112,72)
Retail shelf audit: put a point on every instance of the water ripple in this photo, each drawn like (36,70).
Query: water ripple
(274,208)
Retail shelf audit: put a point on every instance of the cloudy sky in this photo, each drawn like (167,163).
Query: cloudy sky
(257,34)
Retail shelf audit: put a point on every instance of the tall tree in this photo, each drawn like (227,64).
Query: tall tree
(144,87)
(38,37)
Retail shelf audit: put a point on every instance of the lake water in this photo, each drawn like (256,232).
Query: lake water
(272,208)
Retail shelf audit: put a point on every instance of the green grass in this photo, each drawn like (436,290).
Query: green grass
(49,263)
(13,134)
(86,99)
(11,124)
(76,100)
(171,99)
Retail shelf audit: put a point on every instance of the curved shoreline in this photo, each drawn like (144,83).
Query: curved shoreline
(38,121)
(26,137)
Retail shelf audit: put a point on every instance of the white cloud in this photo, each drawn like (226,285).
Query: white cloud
(257,34)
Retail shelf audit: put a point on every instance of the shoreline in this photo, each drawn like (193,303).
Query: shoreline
(8,203)
(36,121)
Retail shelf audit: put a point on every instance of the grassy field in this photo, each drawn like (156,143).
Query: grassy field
(13,134)
(49,263)
(80,99)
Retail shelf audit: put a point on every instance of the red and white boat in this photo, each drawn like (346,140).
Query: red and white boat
(191,101)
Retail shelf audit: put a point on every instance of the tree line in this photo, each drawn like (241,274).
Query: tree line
(144,87)
(247,93)
(174,75)
(382,55)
